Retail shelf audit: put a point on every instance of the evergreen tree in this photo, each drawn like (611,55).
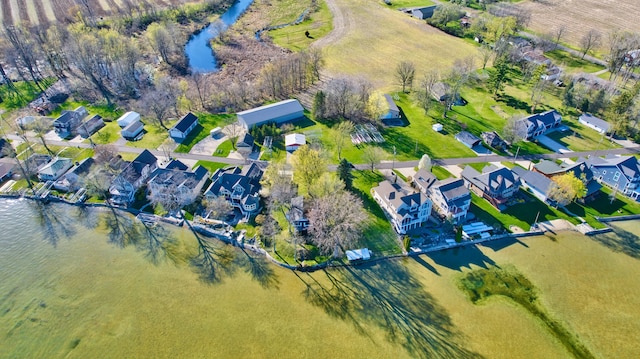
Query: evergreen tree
(344,173)
(319,106)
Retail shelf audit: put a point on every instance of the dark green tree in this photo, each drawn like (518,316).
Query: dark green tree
(319,106)
(498,76)
(344,173)
(619,113)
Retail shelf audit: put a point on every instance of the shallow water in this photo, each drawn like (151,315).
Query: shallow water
(68,289)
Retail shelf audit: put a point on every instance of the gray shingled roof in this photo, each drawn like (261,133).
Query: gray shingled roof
(272,111)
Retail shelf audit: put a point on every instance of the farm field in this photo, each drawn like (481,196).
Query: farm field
(370,50)
(579,16)
(35,12)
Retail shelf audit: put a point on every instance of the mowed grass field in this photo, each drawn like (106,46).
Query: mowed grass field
(376,38)
(35,12)
(579,16)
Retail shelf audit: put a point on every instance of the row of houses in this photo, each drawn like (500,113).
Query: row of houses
(450,199)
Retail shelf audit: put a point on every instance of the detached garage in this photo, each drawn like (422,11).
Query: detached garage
(278,112)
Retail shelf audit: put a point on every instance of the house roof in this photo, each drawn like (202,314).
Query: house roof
(440,90)
(424,178)
(492,178)
(452,189)
(248,179)
(134,127)
(69,115)
(272,111)
(547,118)
(56,165)
(185,122)
(598,122)
(134,170)
(176,164)
(177,178)
(535,180)
(391,104)
(128,117)
(467,138)
(37,160)
(400,201)
(6,166)
(493,139)
(548,167)
(245,141)
(93,122)
(580,169)
(82,167)
(628,165)
(295,139)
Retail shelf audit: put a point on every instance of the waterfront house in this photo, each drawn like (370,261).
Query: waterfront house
(7,167)
(73,179)
(451,199)
(178,183)
(238,186)
(406,210)
(538,184)
(580,170)
(296,215)
(621,173)
(496,185)
(132,177)
(54,169)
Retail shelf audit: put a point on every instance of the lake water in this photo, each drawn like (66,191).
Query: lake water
(198,50)
(69,289)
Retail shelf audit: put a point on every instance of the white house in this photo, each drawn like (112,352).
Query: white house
(594,122)
(133,130)
(405,210)
(54,169)
(182,129)
(128,118)
(278,112)
(294,140)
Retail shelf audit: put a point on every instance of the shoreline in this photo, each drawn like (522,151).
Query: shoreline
(553,226)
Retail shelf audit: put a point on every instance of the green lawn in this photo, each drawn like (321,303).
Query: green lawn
(108,134)
(441,173)
(211,166)
(206,123)
(28,92)
(522,214)
(398,4)
(378,236)
(572,63)
(581,138)
(224,149)
(154,137)
(293,37)
(603,206)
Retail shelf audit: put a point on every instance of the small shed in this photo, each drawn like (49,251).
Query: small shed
(128,118)
(423,13)
(437,127)
(357,255)
(294,140)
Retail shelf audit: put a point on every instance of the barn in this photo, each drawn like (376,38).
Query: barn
(278,112)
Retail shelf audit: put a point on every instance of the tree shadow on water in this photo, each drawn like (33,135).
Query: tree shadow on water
(620,240)
(54,221)
(463,257)
(387,296)
(259,269)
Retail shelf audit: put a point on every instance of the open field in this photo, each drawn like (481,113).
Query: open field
(370,50)
(579,16)
(35,12)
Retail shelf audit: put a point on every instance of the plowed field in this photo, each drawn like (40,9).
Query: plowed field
(579,16)
(34,12)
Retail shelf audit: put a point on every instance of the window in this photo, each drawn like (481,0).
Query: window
(616,176)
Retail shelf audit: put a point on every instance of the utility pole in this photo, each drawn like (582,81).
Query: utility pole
(393,165)
(516,157)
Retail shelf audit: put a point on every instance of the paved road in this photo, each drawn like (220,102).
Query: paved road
(385,165)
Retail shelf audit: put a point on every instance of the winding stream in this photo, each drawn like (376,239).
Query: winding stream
(198,49)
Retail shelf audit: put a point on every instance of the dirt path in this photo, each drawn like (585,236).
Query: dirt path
(343,23)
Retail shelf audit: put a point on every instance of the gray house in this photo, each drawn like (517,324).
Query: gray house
(279,112)
(182,129)
(393,112)
(423,13)
(468,139)
(540,123)
(594,122)
(622,173)
(91,126)
(133,176)
(537,183)
(496,185)
(239,187)
(67,123)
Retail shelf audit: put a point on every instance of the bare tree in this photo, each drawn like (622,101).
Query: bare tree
(405,72)
(201,83)
(342,135)
(218,208)
(233,131)
(336,222)
(590,41)
(104,154)
(41,127)
(514,130)
(485,55)
(373,155)
(26,52)
(347,98)
(558,34)
(426,85)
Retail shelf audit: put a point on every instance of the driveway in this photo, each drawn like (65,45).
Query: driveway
(208,145)
(552,145)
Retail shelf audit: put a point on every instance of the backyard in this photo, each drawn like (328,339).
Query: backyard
(206,123)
